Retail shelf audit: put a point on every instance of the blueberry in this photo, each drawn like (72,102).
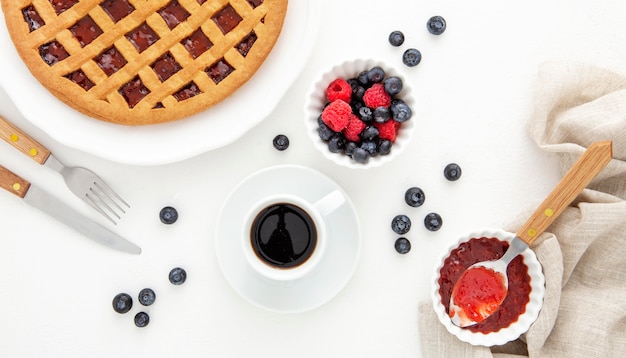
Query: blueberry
(142,319)
(356,106)
(393,85)
(147,297)
(363,78)
(122,303)
(349,148)
(370,146)
(177,276)
(411,57)
(366,114)
(358,92)
(325,132)
(403,245)
(381,114)
(336,143)
(384,147)
(376,74)
(401,224)
(281,142)
(168,215)
(433,222)
(400,111)
(452,172)
(414,197)
(396,38)
(369,132)
(360,155)
(436,25)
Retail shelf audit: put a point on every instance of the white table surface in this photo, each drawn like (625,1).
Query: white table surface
(474,96)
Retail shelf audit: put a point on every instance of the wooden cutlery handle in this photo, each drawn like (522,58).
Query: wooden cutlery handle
(592,161)
(13,183)
(24,143)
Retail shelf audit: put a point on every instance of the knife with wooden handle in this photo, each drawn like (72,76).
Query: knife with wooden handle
(52,206)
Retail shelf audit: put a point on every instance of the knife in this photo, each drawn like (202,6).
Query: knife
(52,206)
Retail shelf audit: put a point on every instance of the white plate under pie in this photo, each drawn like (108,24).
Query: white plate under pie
(327,279)
(178,140)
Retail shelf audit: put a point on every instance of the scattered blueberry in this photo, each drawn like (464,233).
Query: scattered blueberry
(281,142)
(122,303)
(147,297)
(396,38)
(452,172)
(142,319)
(393,85)
(433,221)
(436,25)
(376,74)
(360,155)
(411,57)
(177,276)
(400,111)
(168,215)
(403,245)
(414,197)
(401,224)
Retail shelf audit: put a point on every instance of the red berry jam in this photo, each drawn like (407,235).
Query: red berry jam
(110,61)
(485,249)
(134,91)
(173,14)
(61,6)
(80,79)
(86,30)
(187,92)
(166,66)
(32,18)
(219,71)
(246,44)
(478,293)
(117,9)
(197,44)
(53,52)
(227,19)
(255,3)
(142,37)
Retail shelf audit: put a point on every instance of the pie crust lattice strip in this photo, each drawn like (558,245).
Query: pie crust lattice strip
(139,62)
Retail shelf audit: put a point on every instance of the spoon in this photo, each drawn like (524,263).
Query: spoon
(482,287)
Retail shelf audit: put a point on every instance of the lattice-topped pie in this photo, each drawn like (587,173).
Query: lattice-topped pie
(143,61)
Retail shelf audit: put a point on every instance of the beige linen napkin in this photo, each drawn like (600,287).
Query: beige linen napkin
(584,253)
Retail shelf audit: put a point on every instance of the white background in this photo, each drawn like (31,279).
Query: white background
(474,97)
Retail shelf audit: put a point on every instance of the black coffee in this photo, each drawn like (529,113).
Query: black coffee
(283,235)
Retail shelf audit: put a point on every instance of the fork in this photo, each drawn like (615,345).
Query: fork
(81,181)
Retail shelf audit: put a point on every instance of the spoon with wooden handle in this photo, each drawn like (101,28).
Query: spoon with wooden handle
(481,289)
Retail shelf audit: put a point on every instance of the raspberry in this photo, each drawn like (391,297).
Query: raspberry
(354,128)
(336,115)
(376,96)
(388,130)
(339,89)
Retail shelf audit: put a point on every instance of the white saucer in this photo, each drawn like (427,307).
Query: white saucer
(330,275)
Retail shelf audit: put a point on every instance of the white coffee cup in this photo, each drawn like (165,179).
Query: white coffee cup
(268,208)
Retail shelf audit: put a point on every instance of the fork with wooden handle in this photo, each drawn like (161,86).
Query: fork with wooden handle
(81,181)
